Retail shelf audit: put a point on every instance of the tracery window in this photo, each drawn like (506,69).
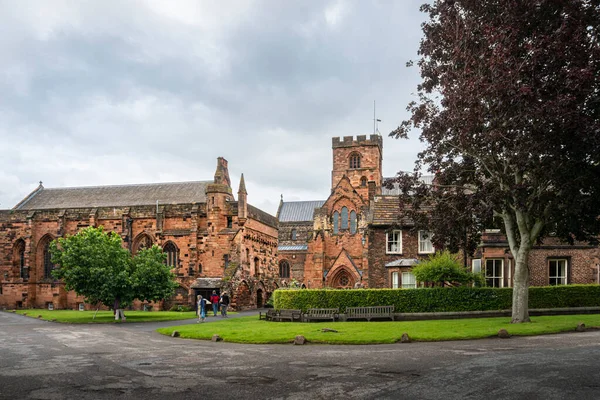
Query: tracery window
(19,258)
(353,222)
(336,223)
(344,216)
(284,269)
(46,257)
(172,257)
(354,160)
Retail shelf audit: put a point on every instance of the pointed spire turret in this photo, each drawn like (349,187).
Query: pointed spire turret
(242,202)
(242,188)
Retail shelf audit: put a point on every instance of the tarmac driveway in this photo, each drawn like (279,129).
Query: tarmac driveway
(44,360)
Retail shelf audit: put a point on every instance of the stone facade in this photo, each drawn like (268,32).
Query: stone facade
(213,241)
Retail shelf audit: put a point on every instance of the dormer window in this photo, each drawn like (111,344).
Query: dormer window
(354,160)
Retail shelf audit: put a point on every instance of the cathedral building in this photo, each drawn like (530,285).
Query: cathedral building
(359,237)
(212,240)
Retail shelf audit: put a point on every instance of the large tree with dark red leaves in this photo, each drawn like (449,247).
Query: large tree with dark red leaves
(509,107)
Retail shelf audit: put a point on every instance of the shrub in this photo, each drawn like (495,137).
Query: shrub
(180,308)
(438,299)
(444,267)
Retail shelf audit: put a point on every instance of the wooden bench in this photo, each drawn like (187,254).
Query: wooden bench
(369,312)
(291,315)
(268,316)
(317,314)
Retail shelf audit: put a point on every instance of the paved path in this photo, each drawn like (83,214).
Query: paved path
(44,360)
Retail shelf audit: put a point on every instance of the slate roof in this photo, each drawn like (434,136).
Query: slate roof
(395,191)
(386,211)
(297,247)
(115,196)
(403,262)
(261,216)
(297,211)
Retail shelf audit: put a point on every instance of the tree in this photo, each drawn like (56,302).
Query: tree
(95,265)
(444,267)
(509,107)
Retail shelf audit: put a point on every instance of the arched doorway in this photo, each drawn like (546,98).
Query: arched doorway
(342,280)
(259,298)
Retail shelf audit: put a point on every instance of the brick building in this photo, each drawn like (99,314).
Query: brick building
(359,237)
(212,241)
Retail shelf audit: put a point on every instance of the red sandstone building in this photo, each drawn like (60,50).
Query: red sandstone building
(358,236)
(212,241)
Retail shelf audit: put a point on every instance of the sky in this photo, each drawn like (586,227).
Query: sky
(112,92)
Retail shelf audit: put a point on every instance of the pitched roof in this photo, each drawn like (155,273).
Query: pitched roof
(115,196)
(395,190)
(403,262)
(386,211)
(297,211)
(261,216)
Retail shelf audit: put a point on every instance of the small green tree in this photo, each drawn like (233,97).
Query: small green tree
(94,264)
(444,267)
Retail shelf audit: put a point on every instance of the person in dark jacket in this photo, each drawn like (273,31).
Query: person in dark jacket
(224,304)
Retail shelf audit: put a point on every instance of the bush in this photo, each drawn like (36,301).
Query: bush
(443,267)
(438,299)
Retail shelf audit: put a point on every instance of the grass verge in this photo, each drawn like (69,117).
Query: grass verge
(252,330)
(106,317)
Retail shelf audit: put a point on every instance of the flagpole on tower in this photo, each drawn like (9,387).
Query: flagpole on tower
(375,121)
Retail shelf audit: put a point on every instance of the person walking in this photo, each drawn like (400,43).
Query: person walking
(224,304)
(201,308)
(214,299)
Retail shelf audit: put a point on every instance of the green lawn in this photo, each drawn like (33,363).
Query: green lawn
(252,330)
(105,317)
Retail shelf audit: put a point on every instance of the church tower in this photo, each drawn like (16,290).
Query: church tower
(360,160)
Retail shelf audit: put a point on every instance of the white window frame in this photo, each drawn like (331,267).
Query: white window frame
(564,276)
(393,246)
(501,276)
(476,265)
(395,280)
(408,277)
(423,242)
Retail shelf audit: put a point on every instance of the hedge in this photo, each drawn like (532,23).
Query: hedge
(437,299)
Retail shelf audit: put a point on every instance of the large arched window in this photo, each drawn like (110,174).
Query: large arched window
(353,222)
(47,265)
(172,255)
(336,223)
(354,160)
(344,217)
(284,269)
(19,258)
(142,242)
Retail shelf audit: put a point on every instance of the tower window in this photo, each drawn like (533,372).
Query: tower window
(293,234)
(363,181)
(229,222)
(354,160)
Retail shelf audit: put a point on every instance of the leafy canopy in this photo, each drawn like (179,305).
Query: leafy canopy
(509,107)
(94,264)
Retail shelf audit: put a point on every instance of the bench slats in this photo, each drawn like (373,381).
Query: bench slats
(321,313)
(370,312)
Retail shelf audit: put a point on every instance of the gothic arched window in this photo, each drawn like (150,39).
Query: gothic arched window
(284,269)
(48,266)
(354,160)
(172,257)
(336,223)
(19,258)
(363,181)
(344,216)
(353,222)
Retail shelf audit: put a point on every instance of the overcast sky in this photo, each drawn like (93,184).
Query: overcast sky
(121,92)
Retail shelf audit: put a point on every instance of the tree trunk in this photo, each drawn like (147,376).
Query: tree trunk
(520,301)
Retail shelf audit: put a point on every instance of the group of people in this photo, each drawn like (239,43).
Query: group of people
(216,301)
